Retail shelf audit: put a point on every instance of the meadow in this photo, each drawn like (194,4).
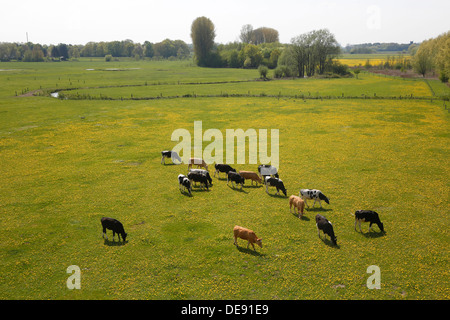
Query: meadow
(65,163)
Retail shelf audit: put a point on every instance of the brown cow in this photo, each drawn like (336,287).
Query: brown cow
(198,162)
(250,175)
(298,203)
(248,235)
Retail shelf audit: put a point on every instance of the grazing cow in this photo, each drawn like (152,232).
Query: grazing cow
(170,154)
(246,234)
(222,168)
(204,172)
(250,175)
(298,203)
(198,177)
(327,228)
(184,183)
(267,170)
(198,162)
(235,178)
(275,182)
(368,216)
(115,226)
(309,194)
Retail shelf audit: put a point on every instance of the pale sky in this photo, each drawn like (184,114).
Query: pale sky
(351,21)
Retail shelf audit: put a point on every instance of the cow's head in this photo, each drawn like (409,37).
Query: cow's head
(380,225)
(259,242)
(282,188)
(124,236)
(334,240)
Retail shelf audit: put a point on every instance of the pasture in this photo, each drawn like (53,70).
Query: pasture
(67,163)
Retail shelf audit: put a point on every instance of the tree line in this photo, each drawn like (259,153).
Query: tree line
(34,52)
(433,55)
(307,55)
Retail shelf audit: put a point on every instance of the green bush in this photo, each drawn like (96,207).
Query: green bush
(263,70)
(108,58)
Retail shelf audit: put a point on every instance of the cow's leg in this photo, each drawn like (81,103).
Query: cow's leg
(267,187)
(235,241)
(318,230)
(356,221)
(290,208)
(360,226)
(305,202)
(370,226)
(104,233)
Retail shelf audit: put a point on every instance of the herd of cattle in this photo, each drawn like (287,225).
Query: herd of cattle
(268,176)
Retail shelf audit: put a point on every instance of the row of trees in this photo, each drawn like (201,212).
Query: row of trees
(308,54)
(433,55)
(127,48)
(31,52)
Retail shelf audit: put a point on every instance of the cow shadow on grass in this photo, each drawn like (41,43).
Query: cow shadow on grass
(319,209)
(373,234)
(329,243)
(237,189)
(305,218)
(274,195)
(253,186)
(250,251)
(113,243)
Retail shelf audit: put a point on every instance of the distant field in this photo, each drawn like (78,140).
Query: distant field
(355,60)
(67,163)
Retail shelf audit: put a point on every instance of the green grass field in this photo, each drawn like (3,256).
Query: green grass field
(67,163)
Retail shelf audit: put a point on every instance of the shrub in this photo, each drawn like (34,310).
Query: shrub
(263,70)
(108,58)
(443,77)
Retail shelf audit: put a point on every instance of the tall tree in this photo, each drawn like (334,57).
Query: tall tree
(423,60)
(309,52)
(246,33)
(203,34)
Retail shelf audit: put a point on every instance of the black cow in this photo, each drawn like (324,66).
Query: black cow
(184,183)
(368,216)
(222,168)
(204,172)
(266,170)
(169,154)
(275,182)
(327,228)
(198,177)
(114,225)
(235,178)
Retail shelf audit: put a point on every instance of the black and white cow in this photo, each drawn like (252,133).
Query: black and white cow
(170,154)
(198,177)
(184,183)
(275,182)
(327,228)
(266,170)
(223,168)
(235,178)
(114,225)
(310,194)
(368,216)
(204,172)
